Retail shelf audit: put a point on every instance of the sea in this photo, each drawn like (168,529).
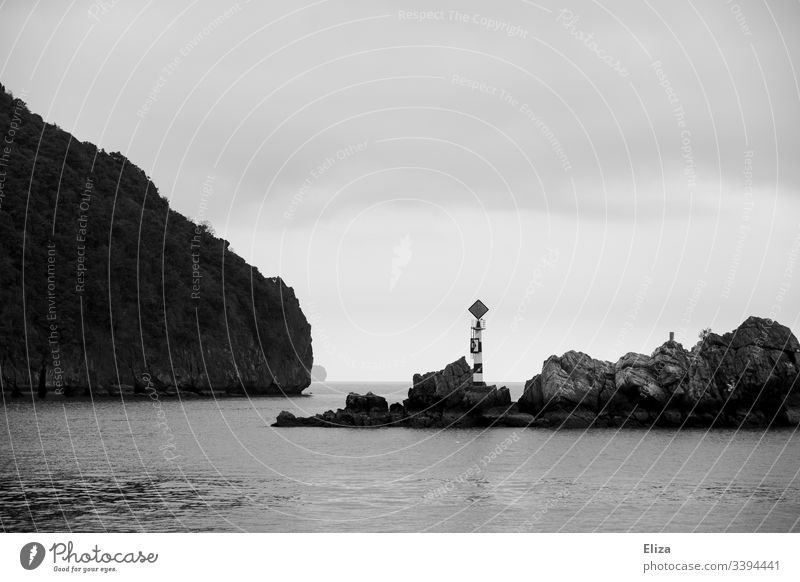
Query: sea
(212,465)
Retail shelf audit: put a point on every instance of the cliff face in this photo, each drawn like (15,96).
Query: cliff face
(746,377)
(103,287)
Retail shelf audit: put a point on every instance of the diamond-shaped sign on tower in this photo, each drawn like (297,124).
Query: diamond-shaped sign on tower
(478,309)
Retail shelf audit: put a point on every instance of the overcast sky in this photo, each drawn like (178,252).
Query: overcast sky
(597,173)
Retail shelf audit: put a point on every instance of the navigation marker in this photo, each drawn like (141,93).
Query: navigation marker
(478,310)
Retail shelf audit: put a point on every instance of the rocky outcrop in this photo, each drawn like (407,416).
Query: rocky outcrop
(120,291)
(366,404)
(441,399)
(747,377)
(452,389)
(444,387)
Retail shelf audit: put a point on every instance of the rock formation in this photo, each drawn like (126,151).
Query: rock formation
(446,398)
(746,377)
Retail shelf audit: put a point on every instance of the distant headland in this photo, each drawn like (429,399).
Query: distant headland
(318,373)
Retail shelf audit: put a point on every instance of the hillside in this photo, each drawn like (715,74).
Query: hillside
(104,287)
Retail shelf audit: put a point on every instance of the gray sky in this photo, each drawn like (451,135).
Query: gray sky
(597,173)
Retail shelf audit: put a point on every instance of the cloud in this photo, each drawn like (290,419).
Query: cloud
(483,133)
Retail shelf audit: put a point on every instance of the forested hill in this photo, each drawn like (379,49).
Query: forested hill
(105,288)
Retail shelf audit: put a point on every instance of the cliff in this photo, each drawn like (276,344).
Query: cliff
(106,289)
(748,377)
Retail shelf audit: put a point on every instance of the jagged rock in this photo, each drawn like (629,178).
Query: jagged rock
(443,388)
(754,366)
(503,397)
(748,377)
(285,418)
(531,400)
(670,365)
(368,403)
(288,419)
(446,398)
(635,377)
(766,333)
(576,380)
(571,381)
(741,378)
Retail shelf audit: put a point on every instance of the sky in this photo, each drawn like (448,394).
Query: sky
(598,173)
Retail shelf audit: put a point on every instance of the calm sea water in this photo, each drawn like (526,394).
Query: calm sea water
(107,467)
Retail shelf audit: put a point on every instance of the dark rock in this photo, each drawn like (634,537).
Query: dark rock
(753,418)
(367,410)
(700,420)
(424,420)
(670,365)
(570,381)
(791,416)
(286,418)
(519,419)
(741,378)
(531,400)
(506,416)
(748,377)
(446,398)
(478,398)
(443,388)
(755,366)
(503,397)
(457,418)
(670,418)
(368,403)
(635,376)
(576,418)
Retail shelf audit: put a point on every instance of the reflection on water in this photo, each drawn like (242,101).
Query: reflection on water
(102,467)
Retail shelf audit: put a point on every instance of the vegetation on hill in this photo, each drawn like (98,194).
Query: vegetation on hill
(103,286)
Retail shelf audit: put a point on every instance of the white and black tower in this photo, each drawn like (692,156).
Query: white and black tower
(478,310)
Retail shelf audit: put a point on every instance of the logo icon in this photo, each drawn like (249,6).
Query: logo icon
(31,555)
(402,256)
